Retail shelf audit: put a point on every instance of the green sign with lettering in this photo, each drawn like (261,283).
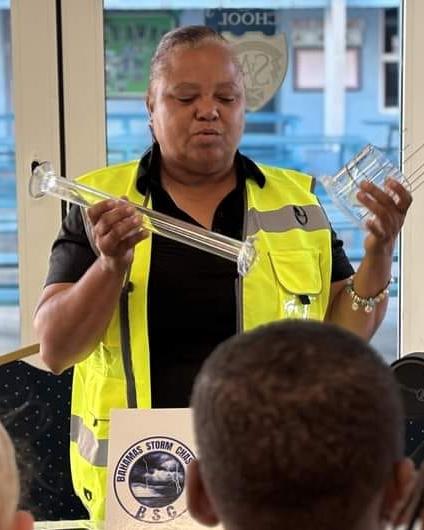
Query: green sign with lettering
(130,42)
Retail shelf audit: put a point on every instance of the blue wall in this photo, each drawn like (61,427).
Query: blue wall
(361,105)
(307,105)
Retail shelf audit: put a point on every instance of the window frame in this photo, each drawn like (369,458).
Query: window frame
(412,124)
(357,55)
(37,121)
(66,59)
(386,58)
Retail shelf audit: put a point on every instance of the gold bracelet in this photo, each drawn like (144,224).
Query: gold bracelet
(368,304)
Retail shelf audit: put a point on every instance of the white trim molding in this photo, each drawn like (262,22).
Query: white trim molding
(83,85)
(412,245)
(35,95)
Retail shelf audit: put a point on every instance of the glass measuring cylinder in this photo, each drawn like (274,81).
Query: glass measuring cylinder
(44,181)
(369,164)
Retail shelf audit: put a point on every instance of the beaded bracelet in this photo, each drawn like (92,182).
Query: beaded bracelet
(367,303)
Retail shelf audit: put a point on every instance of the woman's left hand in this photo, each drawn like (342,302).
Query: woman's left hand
(388,207)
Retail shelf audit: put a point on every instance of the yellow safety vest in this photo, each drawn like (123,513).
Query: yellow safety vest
(291,279)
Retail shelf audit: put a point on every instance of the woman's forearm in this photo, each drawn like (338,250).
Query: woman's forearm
(372,277)
(71,318)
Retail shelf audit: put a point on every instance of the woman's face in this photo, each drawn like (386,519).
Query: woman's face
(197,106)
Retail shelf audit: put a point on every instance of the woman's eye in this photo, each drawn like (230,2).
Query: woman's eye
(185,99)
(226,99)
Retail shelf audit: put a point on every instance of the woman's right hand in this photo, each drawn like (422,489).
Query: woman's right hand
(117,228)
(71,318)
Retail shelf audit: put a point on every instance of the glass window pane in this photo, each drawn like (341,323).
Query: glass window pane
(391,36)
(9,301)
(285,127)
(391,78)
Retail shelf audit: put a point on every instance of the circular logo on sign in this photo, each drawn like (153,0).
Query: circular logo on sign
(149,479)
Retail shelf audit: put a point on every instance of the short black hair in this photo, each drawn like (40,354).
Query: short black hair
(189,36)
(298,425)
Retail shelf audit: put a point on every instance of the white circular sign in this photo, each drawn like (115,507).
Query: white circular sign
(150,477)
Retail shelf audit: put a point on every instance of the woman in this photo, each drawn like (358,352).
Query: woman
(137,315)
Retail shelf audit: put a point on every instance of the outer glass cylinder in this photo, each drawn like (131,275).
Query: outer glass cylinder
(369,164)
(45,181)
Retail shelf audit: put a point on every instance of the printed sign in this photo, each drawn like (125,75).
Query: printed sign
(238,21)
(149,451)
(264,62)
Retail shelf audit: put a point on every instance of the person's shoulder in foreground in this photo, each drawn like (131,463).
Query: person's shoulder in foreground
(299,425)
(10,517)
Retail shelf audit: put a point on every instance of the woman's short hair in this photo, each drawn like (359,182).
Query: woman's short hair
(189,36)
(298,422)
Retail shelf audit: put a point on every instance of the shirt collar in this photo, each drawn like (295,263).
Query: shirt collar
(148,170)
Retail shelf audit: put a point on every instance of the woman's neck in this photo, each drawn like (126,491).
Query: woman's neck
(198,194)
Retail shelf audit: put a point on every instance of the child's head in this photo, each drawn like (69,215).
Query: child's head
(10,518)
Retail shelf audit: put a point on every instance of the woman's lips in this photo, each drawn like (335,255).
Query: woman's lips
(207,132)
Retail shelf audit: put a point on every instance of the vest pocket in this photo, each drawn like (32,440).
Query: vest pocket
(102,394)
(299,282)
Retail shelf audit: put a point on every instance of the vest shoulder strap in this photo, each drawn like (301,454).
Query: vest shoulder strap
(114,179)
(283,176)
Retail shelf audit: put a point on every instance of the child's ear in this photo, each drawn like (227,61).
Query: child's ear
(398,488)
(198,502)
(23,521)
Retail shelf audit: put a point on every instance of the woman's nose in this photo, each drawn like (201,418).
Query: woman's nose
(207,109)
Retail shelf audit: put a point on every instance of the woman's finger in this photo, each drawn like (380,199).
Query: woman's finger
(110,241)
(404,197)
(95,212)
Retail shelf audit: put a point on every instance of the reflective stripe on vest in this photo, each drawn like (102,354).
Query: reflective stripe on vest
(309,217)
(93,450)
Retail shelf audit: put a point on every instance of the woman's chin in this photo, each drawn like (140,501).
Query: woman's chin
(208,166)
(211,159)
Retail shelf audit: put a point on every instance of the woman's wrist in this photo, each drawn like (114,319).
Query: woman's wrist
(378,249)
(117,267)
(367,303)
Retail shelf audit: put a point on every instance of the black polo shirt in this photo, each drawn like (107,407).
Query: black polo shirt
(191,294)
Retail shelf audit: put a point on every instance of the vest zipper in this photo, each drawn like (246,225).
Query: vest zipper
(126,343)
(304,299)
(239,279)
(98,420)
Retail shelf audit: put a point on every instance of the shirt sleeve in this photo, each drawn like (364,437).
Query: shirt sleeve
(71,254)
(341,266)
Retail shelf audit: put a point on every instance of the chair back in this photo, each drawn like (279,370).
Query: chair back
(409,373)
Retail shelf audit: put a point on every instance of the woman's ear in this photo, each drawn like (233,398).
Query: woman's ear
(149,104)
(198,502)
(149,107)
